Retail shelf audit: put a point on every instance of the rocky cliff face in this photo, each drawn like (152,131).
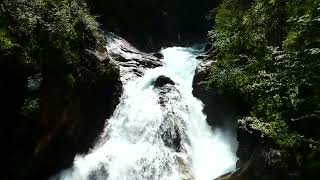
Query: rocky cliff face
(132,62)
(220,111)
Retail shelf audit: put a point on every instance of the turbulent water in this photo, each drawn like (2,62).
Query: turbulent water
(157,133)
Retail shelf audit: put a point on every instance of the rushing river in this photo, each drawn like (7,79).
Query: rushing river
(157,133)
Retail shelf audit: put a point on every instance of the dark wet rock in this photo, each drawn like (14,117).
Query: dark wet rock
(100,173)
(200,77)
(172,128)
(260,158)
(162,80)
(165,90)
(208,47)
(230,176)
(171,136)
(265,163)
(132,62)
(158,55)
(201,56)
(249,139)
(219,110)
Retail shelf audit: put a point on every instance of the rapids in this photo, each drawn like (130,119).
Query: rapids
(157,133)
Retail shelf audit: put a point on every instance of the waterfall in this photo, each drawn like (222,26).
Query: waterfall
(157,132)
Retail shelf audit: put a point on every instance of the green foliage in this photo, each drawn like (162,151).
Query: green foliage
(30,107)
(5,41)
(44,68)
(49,33)
(277,130)
(269,53)
(47,37)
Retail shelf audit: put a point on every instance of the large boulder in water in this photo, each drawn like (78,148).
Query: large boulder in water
(172,126)
(162,80)
(158,55)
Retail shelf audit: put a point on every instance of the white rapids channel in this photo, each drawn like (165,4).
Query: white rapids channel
(132,146)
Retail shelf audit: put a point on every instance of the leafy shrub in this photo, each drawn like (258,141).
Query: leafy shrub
(269,53)
(47,37)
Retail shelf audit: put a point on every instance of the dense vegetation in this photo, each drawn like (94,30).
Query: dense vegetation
(47,75)
(45,38)
(47,35)
(268,53)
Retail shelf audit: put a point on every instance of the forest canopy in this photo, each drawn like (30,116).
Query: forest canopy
(268,53)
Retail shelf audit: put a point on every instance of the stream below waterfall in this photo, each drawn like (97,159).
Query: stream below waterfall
(157,132)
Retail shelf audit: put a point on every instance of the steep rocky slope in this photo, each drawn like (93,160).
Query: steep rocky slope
(132,61)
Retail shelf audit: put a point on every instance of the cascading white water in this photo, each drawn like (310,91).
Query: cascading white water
(157,133)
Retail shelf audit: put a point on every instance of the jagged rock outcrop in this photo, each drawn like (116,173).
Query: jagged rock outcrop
(169,96)
(219,110)
(162,80)
(158,55)
(132,62)
(173,132)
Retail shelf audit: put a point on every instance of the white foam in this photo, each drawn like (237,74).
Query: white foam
(131,147)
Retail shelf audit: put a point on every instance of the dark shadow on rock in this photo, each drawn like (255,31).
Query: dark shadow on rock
(260,158)
(162,80)
(158,55)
